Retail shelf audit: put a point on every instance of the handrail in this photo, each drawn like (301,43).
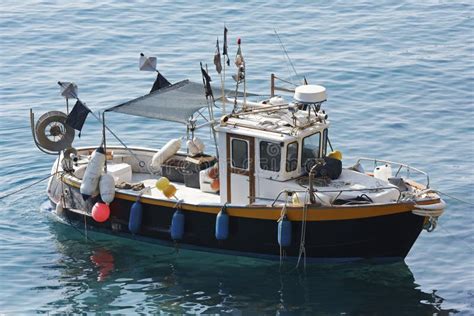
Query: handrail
(340,191)
(401,165)
(284,191)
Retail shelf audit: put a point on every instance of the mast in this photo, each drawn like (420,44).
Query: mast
(245,78)
(240,63)
(223,83)
(225,54)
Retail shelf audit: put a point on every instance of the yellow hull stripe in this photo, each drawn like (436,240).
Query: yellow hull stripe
(274,213)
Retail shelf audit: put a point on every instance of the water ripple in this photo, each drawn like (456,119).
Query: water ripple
(400,82)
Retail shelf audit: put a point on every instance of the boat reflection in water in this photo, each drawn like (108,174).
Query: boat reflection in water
(117,275)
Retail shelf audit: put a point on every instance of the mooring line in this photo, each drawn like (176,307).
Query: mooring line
(28,186)
(454,198)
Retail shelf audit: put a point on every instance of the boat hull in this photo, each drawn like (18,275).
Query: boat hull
(350,235)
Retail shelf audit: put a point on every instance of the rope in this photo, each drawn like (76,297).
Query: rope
(302,251)
(282,216)
(78,230)
(178,204)
(285,52)
(286,81)
(28,186)
(454,198)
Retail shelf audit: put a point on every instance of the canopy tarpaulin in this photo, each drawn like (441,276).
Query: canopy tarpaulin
(177,102)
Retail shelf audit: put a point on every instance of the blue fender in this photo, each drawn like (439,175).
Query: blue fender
(222,224)
(135,219)
(284,232)
(177,225)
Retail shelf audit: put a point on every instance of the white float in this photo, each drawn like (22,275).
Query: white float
(165,153)
(90,181)
(107,188)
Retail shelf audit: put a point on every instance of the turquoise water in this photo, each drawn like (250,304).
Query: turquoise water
(400,84)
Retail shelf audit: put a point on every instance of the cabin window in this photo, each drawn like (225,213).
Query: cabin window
(311,146)
(292,156)
(240,154)
(325,142)
(270,156)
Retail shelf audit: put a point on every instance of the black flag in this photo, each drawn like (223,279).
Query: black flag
(224,48)
(217,58)
(160,82)
(78,116)
(207,82)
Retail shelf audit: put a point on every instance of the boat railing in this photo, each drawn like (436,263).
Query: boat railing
(338,191)
(401,166)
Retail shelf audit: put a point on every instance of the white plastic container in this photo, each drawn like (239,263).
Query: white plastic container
(383,172)
(205,182)
(122,172)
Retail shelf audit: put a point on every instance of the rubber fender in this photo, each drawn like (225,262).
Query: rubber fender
(166,152)
(177,225)
(193,149)
(100,212)
(135,218)
(90,181)
(107,188)
(80,171)
(199,144)
(222,225)
(60,208)
(284,232)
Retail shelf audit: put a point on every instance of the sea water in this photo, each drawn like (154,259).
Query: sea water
(400,87)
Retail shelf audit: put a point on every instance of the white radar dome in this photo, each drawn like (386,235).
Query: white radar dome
(310,94)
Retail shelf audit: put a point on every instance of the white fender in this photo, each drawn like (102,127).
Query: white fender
(192,147)
(199,144)
(59,208)
(165,153)
(441,205)
(79,172)
(90,181)
(107,188)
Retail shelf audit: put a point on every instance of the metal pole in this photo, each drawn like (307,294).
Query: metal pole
(272,85)
(223,87)
(103,139)
(245,79)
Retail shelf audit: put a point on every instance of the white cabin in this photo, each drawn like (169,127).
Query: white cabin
(265,147)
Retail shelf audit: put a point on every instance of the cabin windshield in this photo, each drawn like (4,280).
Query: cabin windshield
(311,146)
(325,142)
(292,157)
(270,156)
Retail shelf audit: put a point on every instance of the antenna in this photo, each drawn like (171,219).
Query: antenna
(286,53)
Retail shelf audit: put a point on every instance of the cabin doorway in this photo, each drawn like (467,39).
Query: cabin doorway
(240,169)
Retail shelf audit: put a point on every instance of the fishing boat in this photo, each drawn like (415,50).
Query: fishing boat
(271,186)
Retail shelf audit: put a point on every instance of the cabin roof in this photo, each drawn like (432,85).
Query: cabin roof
(277,126)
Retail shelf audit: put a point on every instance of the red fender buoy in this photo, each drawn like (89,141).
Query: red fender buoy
(100,212)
